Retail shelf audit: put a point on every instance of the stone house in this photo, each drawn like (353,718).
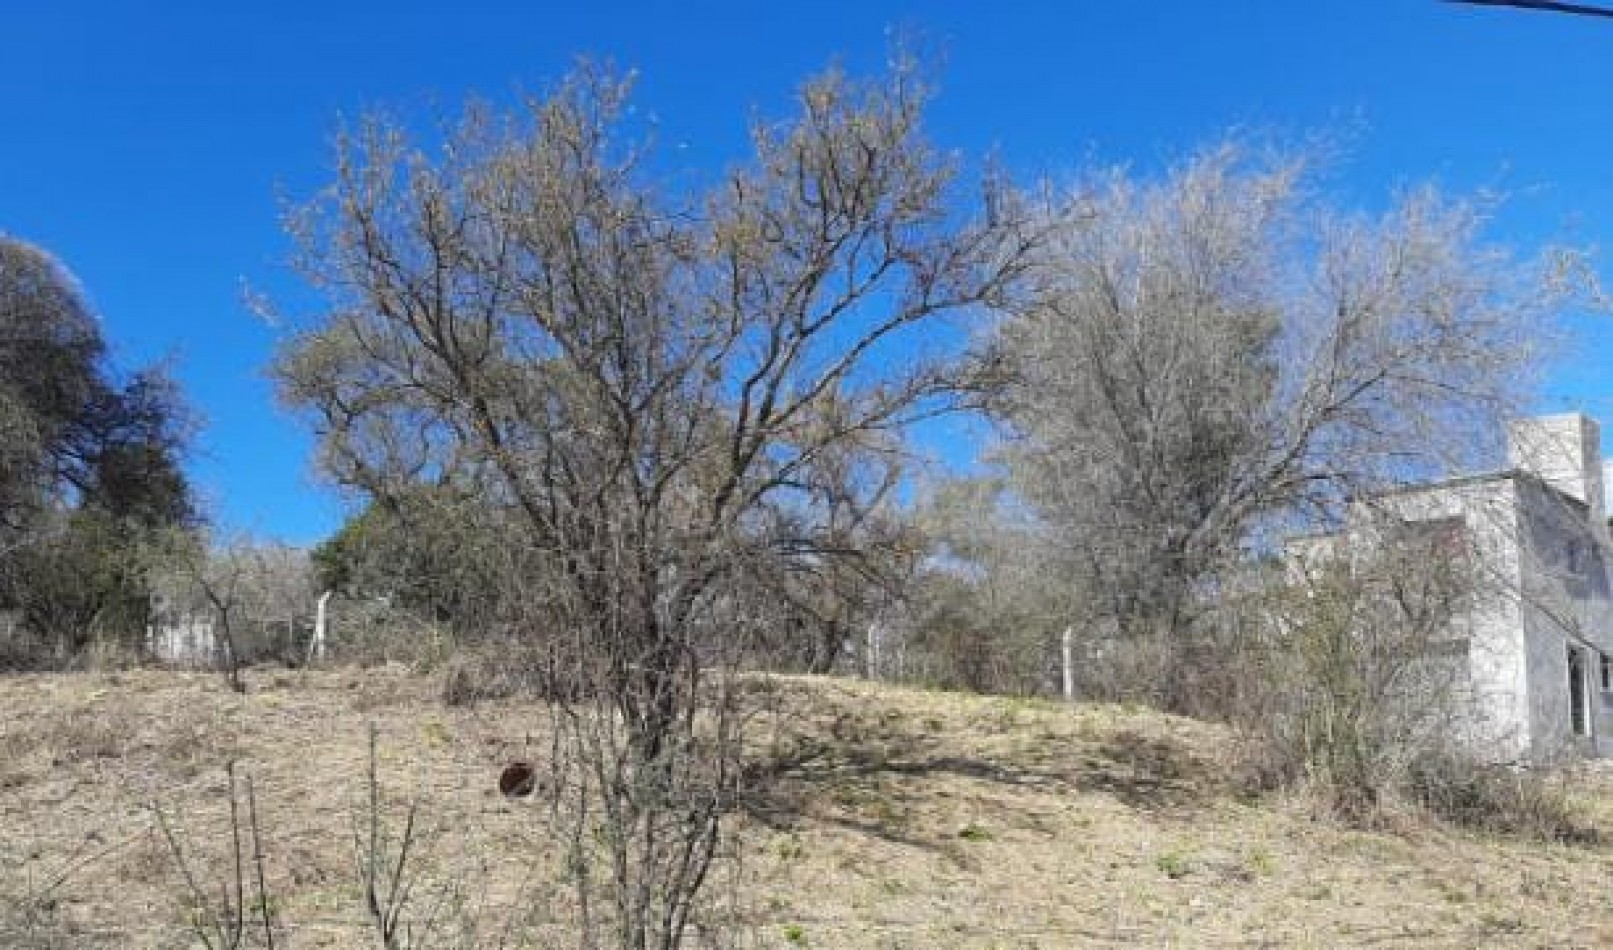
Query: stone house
(1534,651)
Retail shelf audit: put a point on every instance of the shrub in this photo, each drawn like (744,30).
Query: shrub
(1351,694)
(476,675)
(374,633)
(1498,799)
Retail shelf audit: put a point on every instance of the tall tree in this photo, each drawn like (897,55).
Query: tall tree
(1218,353)
(50,351)
(89,465)
(652,381)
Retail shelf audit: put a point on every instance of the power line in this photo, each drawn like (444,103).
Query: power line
(1549,6)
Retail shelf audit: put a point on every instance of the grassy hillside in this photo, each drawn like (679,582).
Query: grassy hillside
(900,818)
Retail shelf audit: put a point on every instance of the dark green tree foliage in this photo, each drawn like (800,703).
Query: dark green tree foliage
(131,460)
(425,548)
(49,348)
(80,577)
(89,464)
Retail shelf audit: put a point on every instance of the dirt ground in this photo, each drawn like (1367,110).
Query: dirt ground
(907,819)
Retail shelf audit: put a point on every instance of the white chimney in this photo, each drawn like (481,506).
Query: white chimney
(1564,451)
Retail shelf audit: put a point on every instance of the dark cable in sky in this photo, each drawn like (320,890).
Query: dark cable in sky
(1547,5)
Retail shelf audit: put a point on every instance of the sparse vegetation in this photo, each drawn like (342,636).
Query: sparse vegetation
(227,901)
(1071,803)
(1502,800)
(1345,699)
(1173,864)
(631,451)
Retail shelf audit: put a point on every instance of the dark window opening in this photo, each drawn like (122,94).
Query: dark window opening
(1577,693)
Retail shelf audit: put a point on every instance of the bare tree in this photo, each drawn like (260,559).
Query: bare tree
(654,384)
(1214,357)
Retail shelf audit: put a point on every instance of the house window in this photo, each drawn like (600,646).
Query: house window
(1578,693)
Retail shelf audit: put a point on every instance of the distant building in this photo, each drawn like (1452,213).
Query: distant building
(1534,654)
(182,639)
(272,608)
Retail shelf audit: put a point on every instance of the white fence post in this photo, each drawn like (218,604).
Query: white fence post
(1066,650)
(316,646)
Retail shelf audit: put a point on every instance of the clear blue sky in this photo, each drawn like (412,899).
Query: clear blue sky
(145,143)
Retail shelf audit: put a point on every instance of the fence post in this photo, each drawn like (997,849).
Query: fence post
(1067,653)
(316,646)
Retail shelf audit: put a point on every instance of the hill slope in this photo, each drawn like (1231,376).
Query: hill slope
(905,819)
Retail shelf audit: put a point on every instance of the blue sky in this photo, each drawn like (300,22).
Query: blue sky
(146,143)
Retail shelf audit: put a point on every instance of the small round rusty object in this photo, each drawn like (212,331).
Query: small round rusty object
(518,780)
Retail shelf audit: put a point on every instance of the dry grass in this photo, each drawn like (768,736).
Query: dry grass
(889,818)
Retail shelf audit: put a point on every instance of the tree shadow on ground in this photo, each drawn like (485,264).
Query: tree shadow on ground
(848,772)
